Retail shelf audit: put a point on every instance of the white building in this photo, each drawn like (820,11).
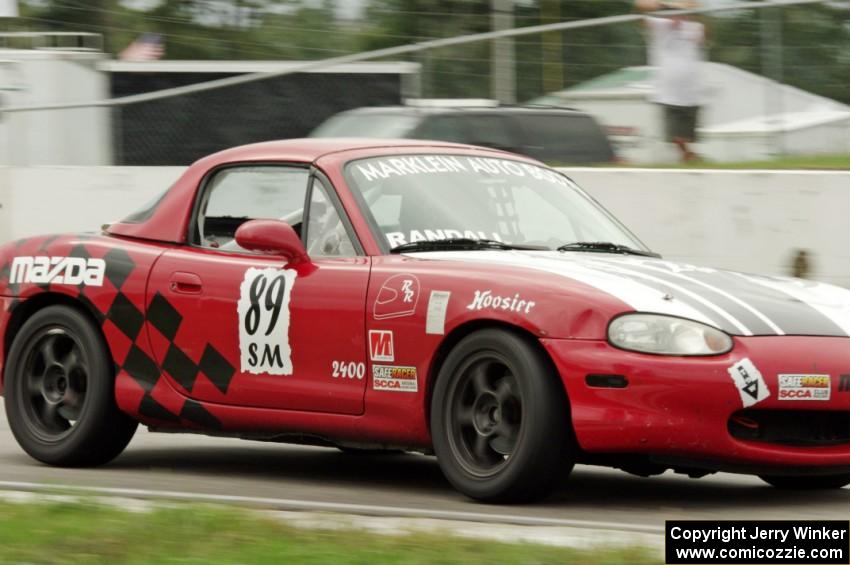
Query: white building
(49,69)
(746,117)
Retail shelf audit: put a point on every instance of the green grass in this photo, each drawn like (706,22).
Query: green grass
(818,162)
(88,533)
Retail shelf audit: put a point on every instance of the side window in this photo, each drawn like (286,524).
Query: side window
(566,139)
(238,194)
(443,128)
(491,131)
(326,233)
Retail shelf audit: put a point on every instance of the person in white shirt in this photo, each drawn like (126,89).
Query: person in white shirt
(676,50)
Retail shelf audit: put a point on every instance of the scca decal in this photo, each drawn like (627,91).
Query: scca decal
(57,270)
(381,346)
(804,387)
(264,321)
(395,379)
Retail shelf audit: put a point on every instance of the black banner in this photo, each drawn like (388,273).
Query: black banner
(757,542)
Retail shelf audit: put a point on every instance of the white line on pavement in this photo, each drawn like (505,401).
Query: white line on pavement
(306,505)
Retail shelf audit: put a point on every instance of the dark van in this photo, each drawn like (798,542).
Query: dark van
(553,135)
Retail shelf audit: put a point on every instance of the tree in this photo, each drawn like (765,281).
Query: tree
(813,48)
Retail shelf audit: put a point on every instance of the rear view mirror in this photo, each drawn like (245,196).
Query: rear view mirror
(271,236)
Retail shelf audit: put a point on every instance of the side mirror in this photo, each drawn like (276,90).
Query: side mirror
(271,236)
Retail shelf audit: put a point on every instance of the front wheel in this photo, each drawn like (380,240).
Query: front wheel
(813,482)
(500,420)
(60,391)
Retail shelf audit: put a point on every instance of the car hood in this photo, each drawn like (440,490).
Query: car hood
(737,303)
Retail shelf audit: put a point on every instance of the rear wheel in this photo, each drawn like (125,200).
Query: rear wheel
(60,393)
(813,482)
(499,419)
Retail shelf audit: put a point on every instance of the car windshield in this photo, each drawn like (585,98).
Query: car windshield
(440,197)
(367,125)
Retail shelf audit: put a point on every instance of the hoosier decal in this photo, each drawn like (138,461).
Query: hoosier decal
(485,299)
(57,270)
(264,321)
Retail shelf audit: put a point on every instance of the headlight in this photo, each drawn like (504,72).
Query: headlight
(666,335)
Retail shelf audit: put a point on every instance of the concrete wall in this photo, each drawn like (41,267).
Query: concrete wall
(747,220)
(742,220)
(37,200)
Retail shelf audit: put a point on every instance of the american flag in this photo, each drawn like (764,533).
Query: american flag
(147,47)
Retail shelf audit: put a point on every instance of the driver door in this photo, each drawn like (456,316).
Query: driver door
(233,327)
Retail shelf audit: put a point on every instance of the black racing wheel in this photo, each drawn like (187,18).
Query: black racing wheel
(60,391)
(812,482)
(500,419)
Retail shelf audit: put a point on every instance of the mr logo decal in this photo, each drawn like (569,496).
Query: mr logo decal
(749,382)
(264,321)
(381,345)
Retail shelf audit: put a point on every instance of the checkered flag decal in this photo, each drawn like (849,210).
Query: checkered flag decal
(126,321)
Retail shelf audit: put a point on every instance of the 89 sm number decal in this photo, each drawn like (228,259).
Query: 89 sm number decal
(350,370)
(264,321)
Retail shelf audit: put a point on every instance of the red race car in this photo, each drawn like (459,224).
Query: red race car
(418,296)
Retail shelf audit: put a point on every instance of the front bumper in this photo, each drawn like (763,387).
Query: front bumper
(678,410)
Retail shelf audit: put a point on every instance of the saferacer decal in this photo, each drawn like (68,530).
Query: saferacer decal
(804,387)
(263,309)
(397,379)
(57,270)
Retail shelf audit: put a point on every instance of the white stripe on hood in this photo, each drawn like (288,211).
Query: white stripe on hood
(640,297)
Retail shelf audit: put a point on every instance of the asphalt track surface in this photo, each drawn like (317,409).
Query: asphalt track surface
(199,465)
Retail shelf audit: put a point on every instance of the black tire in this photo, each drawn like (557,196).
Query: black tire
(813,482)
(500,419)
(60,391)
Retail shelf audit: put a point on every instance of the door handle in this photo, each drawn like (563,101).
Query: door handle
(186,283)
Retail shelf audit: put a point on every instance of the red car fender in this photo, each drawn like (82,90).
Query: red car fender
(447,301)
(113,295)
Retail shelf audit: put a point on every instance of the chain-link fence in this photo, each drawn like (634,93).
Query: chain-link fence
(777,82)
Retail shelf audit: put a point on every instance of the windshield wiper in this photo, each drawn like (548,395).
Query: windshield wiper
(460,243)
(606,247)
